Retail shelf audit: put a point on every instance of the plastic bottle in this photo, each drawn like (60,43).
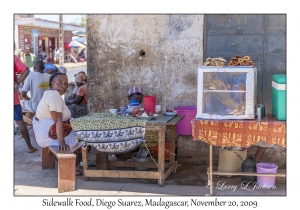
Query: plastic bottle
(135,111)
(249,165)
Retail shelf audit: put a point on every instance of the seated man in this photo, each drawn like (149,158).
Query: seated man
(78,106)
(73,96)
(37,82)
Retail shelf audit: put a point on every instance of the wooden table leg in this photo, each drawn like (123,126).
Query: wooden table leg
(172,143)
(161,156)
(85,162)
(210,170)
(101,161)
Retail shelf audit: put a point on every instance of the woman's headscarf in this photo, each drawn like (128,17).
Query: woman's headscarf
(134,89)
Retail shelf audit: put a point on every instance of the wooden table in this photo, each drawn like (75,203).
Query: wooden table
(242,133)
(161,174)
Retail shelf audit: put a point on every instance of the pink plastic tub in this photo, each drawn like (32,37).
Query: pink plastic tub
(184,127)
(269,168)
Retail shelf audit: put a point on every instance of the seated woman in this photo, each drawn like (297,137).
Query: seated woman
(81,55)
(78,106)
(151,137)
(51,123)
(135,93)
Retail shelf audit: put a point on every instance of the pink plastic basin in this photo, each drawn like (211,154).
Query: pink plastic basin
(268,168)
(184,127)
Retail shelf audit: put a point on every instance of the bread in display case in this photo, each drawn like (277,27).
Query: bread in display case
(226,92)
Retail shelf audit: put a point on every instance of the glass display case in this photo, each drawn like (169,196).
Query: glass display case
(226,92)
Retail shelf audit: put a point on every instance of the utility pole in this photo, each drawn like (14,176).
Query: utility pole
(61,41)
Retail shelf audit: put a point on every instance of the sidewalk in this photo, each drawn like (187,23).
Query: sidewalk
(73,65)
(189,180)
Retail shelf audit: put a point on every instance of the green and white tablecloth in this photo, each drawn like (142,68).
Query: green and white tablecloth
(109,133)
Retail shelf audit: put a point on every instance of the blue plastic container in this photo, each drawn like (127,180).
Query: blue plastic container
(133,101)
(134,104)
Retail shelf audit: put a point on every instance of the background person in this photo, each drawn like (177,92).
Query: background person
(62,69)
(78,106)
(56,56)
(81,55)
(37,82)
(43,55)
(73,96)
(20,67)
(29,58)
(50,68)
(20,53)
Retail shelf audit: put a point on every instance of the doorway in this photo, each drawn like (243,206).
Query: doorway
(51,49)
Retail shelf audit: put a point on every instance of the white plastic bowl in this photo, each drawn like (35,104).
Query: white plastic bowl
(130,108)
(112,111)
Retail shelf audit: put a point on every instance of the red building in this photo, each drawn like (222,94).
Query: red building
(48,31)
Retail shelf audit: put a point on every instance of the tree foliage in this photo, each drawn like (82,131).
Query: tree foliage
(79,21)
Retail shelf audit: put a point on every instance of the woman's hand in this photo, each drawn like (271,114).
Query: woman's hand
(63,146)
(57,117)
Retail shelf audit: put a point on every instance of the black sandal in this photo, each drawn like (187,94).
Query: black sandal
(79,172)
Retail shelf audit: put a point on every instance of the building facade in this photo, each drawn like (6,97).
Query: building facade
(48,34)
(161,54)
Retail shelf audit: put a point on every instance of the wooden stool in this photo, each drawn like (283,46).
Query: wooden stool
(66,166)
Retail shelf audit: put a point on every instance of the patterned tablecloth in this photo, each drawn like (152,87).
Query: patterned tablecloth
(242,133)
(109,133)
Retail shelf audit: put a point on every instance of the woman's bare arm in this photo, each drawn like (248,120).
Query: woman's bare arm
(57,118)
(78,99)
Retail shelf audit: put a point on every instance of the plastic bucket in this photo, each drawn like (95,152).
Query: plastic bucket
(167,154)
(268,168)
(184,127)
